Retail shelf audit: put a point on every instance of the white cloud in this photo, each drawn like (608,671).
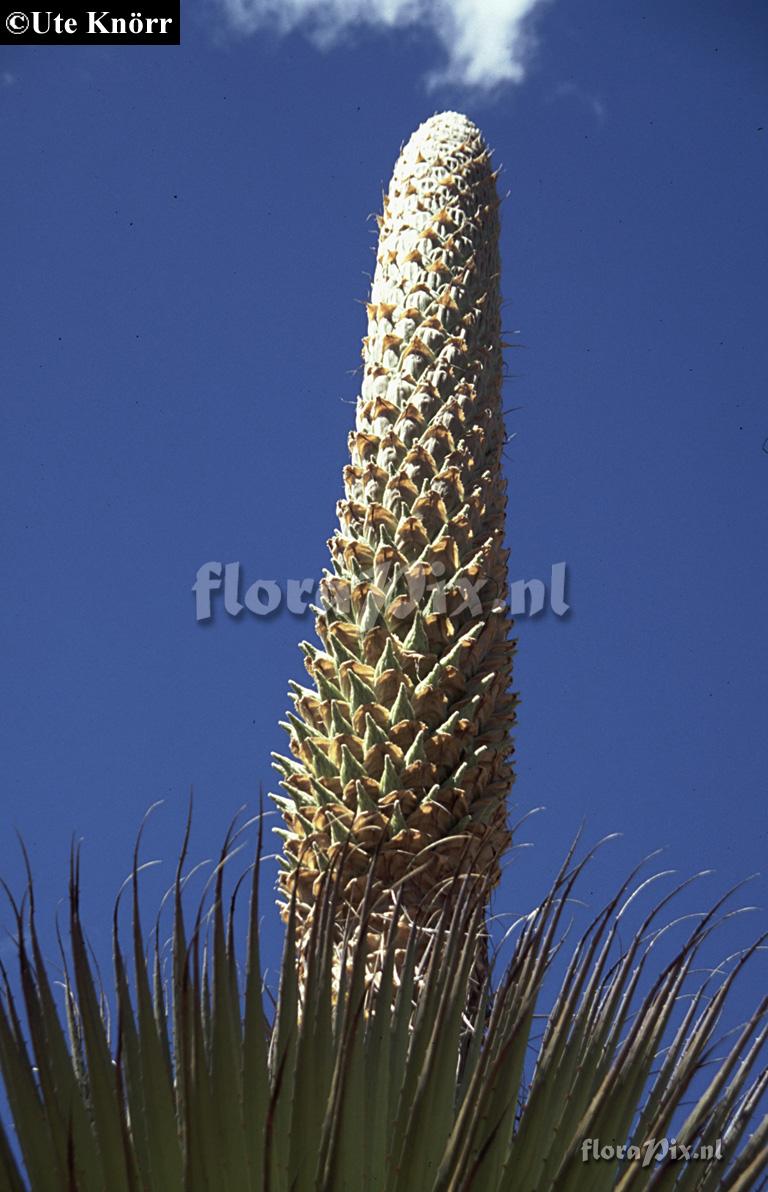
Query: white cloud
(596,105)
(486,42)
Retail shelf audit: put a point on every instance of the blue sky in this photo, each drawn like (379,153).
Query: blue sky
(187,244)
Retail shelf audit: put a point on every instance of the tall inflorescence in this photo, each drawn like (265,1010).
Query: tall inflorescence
(401,743)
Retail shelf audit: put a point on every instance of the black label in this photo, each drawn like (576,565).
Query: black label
(155,23)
